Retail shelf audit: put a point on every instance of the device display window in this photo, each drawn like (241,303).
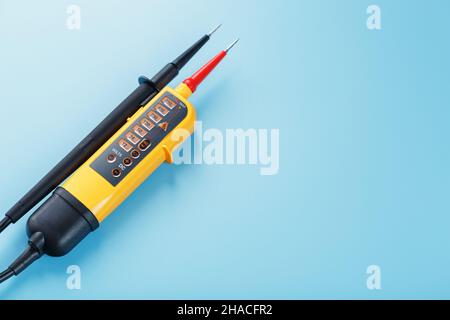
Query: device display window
(154,116)
(161,110)
(147,124)
(134,139)
(139,131)
(137,141)
(169,103)
(125,145)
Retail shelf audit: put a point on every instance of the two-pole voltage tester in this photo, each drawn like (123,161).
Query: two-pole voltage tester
(118,166)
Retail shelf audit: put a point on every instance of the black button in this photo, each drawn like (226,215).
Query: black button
(116,172)
(135,154)
(111,158)
(127,162)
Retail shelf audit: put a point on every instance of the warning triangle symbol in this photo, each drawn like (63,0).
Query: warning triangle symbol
(164,125)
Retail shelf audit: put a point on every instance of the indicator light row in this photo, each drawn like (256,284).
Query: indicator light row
(138,132)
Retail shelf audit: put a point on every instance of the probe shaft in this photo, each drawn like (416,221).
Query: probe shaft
(232,45)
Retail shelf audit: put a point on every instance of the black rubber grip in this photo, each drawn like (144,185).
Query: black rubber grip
(63,221)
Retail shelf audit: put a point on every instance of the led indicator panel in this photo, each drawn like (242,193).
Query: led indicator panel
(141,137)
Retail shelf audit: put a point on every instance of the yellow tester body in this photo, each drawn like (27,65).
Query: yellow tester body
(130,156)
(118,167)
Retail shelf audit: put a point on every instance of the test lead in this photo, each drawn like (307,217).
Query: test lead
(113,172)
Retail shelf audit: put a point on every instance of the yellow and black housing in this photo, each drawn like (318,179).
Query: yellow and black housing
(104,181)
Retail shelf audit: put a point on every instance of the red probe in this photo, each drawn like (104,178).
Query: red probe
(194,81)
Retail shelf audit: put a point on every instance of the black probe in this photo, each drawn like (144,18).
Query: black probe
(148,88)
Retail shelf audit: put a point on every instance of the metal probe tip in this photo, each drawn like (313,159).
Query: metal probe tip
(214,30)
(231,45)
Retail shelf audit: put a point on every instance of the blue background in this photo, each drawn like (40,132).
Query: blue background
(364,152)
